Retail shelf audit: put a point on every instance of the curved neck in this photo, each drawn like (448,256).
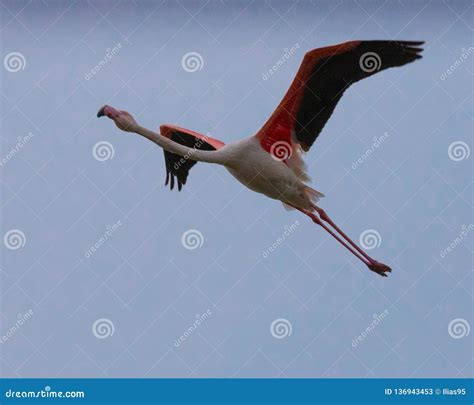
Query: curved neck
(178,149)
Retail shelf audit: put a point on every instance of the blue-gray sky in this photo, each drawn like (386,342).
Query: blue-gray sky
(121,308)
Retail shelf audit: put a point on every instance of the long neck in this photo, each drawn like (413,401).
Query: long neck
(181,150)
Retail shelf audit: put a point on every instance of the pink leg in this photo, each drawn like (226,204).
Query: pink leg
(326,218)
(372,264)
(318,221)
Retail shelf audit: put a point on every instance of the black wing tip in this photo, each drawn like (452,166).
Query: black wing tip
(406,51)
(411,43)
(385,43)
(392,41)
(171,178)
(179,173)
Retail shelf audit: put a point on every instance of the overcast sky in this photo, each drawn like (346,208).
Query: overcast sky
(93,241)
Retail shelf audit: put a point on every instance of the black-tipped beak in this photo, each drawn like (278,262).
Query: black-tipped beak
(101,112)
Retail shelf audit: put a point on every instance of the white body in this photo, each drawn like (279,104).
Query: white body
(250,164)
(258,170)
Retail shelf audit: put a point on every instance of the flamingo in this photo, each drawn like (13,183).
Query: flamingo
(271,161)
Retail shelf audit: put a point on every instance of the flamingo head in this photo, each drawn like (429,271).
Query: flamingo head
(122,119)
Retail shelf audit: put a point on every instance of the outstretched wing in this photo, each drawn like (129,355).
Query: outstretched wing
(178,167)
(320,82)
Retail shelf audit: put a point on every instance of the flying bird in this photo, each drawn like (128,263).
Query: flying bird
(271,161)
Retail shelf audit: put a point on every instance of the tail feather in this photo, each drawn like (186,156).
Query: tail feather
(313,194)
